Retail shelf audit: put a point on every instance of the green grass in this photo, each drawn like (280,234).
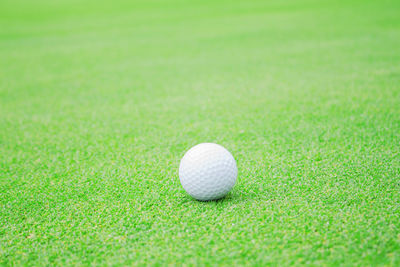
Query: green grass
(98,103)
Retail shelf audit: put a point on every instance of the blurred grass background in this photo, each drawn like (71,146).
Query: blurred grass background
(100,100)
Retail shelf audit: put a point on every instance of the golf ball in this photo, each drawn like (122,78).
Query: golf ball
(207,171)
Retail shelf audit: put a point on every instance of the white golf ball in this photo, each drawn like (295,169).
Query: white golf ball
(207,171)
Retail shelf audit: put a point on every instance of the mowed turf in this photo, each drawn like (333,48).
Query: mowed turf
(98,103)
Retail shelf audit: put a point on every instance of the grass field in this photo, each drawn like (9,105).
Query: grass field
(98,103)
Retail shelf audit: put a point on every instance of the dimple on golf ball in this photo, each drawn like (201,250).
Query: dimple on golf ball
(207,171)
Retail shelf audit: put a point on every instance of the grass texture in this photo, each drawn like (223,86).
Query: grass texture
(100,100)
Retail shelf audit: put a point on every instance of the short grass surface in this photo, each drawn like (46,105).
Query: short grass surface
(98,103)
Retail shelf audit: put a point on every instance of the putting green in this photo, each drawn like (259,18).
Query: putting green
(98,103)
